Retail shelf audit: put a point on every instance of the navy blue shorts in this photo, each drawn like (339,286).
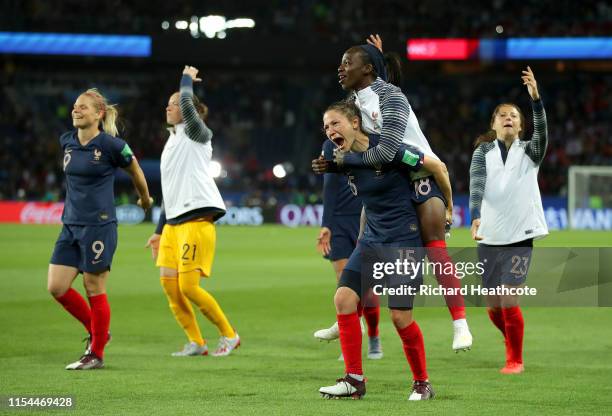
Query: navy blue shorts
(344,233)
(505,265)
(89,248)
(358,273)
(425,188)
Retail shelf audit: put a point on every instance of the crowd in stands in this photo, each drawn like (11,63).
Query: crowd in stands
(261,118)
(329,20)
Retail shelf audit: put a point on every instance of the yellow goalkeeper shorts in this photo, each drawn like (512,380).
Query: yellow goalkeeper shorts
(188,246)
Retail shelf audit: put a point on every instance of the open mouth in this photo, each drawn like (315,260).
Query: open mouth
(508,125)
(341,78)
(338,141)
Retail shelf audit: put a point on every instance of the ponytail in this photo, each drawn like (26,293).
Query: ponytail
(487,137)
(200,107)
(109,119)
(393,66)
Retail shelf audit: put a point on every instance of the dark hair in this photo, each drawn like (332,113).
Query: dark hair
(201,108)
(393,65)
(347,108)
(491,135)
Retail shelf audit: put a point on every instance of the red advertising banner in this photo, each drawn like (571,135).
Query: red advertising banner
(441,49)
(31,212)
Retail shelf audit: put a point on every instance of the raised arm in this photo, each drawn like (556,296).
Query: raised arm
(536,147)
(195,127)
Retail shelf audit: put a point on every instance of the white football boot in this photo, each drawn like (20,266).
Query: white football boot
(462,338)
(226,346)
(192,349)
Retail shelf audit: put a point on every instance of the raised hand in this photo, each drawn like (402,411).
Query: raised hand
(532,86)
(192,71)
(375,40)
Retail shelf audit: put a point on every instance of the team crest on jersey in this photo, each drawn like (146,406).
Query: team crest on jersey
(97,155)
(374,115)
(67,157)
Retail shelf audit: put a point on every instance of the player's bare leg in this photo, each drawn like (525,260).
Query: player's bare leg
(432,214)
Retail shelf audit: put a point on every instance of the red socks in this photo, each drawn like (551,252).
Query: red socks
(515,327)
(350,342)
(414,349)
(371,312)
(100,323)
(75,304)
(497,317)
(372,316)
(436,253)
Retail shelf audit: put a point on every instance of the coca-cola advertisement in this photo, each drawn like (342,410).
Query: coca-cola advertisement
(31,212)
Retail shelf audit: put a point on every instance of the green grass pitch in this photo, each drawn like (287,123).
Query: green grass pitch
(276,290)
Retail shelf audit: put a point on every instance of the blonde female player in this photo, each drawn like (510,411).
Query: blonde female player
(88,238)
(506,210)
(185,236)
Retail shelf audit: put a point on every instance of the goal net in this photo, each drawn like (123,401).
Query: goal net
(590,197)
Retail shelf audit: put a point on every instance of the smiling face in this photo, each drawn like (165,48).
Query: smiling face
(353,73)
(84,112)
(173,111)
(507,121)
(340,129)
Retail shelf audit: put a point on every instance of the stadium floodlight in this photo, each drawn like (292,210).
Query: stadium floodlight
(215,168)
(193,27)
(211,25)
(589,197)
(279,171)
(181,24)
(241,22)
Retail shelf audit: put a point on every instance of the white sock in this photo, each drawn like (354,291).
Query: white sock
(460,324)
(358,377)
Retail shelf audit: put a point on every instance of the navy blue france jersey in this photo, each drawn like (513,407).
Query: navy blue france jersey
(338,199)
(387,198)
(89,169)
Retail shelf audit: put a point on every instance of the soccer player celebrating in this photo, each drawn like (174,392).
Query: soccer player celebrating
(391,222)
(88,238)
(185,236)
(337,240)
(385,111)
(506,210)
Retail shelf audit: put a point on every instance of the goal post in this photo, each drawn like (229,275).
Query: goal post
(589,197)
